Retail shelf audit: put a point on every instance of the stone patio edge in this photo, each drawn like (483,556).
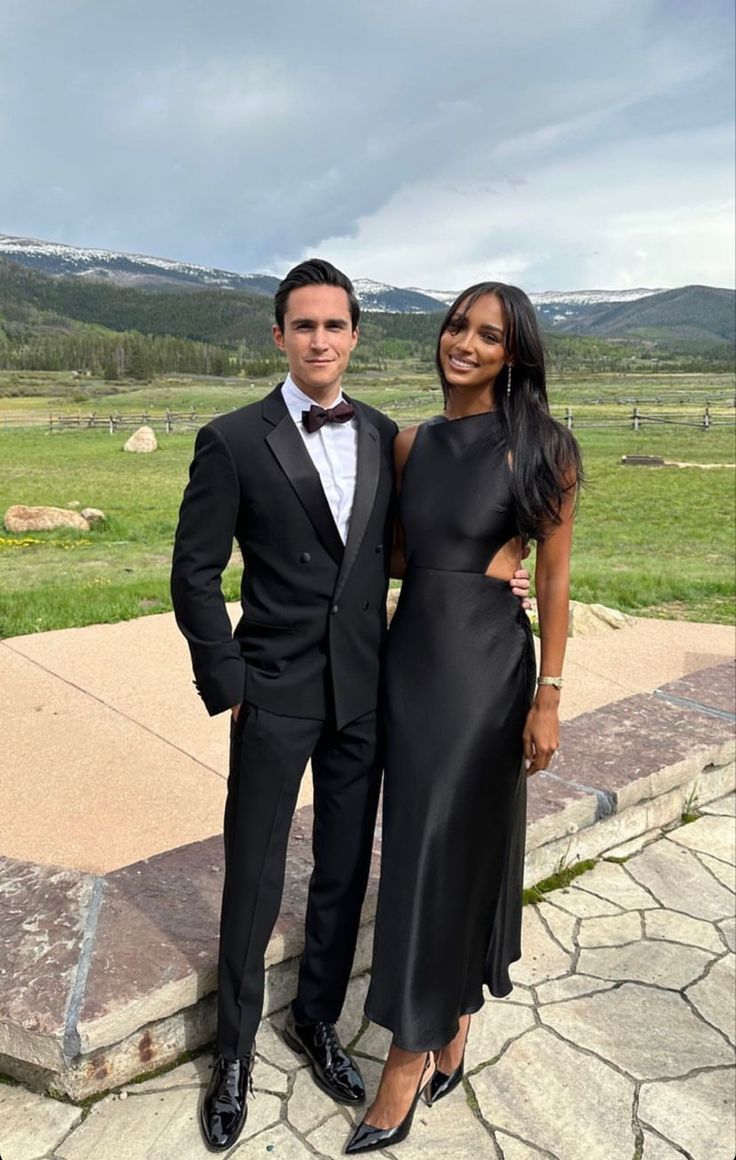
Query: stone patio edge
(81,1058)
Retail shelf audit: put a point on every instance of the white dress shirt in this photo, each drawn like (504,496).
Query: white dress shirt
(333,451)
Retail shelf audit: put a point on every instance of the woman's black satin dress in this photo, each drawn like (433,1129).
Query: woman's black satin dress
(460,676)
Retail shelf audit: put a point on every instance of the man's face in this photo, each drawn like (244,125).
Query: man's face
(317,339)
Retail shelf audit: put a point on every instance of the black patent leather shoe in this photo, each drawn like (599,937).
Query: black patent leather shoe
(333,1069)
(367,1138)
(224,1111)
(441,1084)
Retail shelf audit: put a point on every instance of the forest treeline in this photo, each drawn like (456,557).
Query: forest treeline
(118,333)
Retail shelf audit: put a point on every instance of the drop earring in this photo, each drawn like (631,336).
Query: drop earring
(508,380)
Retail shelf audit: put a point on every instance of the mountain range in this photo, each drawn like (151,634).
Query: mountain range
(700,314)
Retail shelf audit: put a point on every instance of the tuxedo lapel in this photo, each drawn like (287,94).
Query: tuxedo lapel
(366,483)
(293,458)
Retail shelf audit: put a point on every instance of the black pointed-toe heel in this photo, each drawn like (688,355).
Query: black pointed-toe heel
(367,1138)
(441,1084)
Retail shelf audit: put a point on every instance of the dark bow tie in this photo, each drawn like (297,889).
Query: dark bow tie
(316,417)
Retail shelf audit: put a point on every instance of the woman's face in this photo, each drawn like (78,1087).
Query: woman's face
(472,348)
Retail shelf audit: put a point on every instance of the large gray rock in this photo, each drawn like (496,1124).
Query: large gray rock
(20,518)
(593,619)
(143,441)
(93,516)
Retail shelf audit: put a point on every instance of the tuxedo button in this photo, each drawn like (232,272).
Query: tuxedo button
(366,605)
(304,558)
(335,609)
(379,548)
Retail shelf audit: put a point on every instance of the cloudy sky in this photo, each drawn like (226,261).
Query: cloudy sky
(559,144)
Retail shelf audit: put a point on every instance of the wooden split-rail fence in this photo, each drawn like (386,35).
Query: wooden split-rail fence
(173,421)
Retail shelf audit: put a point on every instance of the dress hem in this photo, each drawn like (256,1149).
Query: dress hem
(407,1046)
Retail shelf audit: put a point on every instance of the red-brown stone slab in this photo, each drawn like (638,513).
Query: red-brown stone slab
(714,687)
(620,744)
(158,926)
(549,794)
(43,913)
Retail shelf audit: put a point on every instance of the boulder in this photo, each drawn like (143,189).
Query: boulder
(585,619)
(19,518)
(93,516)
(592,619)
(143,440)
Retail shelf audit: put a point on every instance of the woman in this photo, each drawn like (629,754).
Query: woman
(463,726)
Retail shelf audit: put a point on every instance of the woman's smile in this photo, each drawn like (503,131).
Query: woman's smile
(462,364)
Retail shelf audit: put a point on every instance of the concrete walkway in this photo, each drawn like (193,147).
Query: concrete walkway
(617,1042)
(103,723)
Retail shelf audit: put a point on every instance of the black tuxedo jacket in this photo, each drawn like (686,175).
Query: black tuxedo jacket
(314,620)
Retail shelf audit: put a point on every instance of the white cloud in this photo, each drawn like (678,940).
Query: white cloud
(413,142)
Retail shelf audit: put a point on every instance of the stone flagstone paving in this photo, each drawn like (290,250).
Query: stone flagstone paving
(617,1042)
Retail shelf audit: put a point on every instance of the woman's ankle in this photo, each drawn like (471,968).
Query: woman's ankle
(451,1055)
(402,1074)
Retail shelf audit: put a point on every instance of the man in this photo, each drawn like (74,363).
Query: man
(304,481)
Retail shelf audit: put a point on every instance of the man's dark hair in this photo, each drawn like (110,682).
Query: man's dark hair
(314,272)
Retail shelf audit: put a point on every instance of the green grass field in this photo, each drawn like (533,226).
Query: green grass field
(656,541)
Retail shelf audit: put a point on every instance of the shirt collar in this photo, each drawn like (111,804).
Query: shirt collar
(296,401)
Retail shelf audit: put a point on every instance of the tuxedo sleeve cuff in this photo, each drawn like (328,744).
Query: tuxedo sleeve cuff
(224,689)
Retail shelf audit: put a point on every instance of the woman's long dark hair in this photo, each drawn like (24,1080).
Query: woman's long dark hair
(545,458)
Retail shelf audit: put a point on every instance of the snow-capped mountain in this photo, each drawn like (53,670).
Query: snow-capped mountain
(558,308)
(126,269)
(589,297)
(379,297)
(446,297)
